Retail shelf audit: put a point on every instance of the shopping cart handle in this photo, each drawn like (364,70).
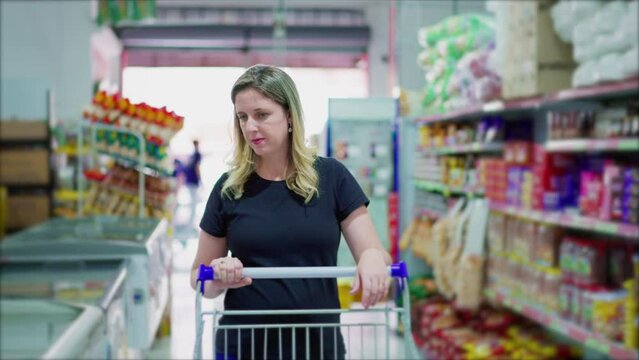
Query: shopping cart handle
(398,270)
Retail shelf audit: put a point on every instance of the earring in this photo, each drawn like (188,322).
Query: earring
(290,129)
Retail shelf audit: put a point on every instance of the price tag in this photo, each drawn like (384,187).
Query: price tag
(598,345)
(630,144)
(580,145)
(557,326)
(580,221)
(475,147)
(518,306)
(608,228)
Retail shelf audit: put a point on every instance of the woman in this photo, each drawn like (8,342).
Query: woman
(280,205)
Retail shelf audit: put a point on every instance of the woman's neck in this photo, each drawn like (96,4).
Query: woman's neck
(275,168)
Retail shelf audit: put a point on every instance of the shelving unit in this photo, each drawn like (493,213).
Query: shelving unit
(554,322)
(130,172)
(463,149)
(619,89)
(25,169)
(629,231)
(581,145)
(537,109)
(131,162)
(447,190)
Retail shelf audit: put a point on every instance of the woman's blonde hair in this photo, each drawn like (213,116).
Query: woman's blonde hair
(276,85)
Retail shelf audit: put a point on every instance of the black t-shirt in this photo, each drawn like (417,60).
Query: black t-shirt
(270,226)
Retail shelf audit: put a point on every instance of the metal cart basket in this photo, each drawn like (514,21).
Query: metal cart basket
(366,333)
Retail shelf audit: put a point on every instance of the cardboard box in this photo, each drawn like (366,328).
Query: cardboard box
(23,130)
(536,60)
(24,167)
(27,210)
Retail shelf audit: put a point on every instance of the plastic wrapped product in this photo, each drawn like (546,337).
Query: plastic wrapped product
(585,30)
(562,21)
(608,18)
(586,74)
(427,58)
(456,47)
(630,61)
(453,26)
(585,52)
(469,282)
(630,24)
(440,69)
(579,9)
(611,43)
(609,69)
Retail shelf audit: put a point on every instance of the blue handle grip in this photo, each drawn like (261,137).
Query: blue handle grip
(398,270)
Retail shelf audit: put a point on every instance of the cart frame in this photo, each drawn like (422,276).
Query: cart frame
(396,271)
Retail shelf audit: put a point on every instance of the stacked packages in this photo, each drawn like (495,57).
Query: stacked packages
(588,283)
(457,60)
(156,125)
(605,37)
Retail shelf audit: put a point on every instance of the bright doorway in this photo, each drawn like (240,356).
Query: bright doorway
(202,96)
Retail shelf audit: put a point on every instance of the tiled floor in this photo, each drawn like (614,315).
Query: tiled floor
(362,342)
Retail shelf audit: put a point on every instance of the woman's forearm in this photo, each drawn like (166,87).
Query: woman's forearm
(384,253)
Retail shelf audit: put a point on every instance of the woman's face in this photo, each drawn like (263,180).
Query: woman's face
(264,123)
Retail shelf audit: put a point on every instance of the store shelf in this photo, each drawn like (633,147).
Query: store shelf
(571,221)
(68,195)
(446,190)
(153,198)
(452,115)
(464,149)
(71,150)
(581,145)
(134,162)
(603,91)
(608,90)
(552,321)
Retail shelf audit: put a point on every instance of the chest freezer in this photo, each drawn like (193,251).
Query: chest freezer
(46,329)
(142,242)
(97,283)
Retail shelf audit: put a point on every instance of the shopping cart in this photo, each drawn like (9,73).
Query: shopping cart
(373,336)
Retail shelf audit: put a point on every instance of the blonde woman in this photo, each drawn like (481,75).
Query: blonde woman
(281,205)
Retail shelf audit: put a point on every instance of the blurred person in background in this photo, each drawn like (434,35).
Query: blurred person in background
(192,180)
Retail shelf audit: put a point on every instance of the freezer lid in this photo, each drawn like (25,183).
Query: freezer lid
(133,229)
(95,282)
(91,238)
(33,328)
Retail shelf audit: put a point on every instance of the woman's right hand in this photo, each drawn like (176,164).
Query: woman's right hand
(228,273)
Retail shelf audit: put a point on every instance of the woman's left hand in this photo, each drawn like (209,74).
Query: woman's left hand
(372,277)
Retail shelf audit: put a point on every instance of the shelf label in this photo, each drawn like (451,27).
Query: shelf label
(629,144)
(598,345)
(606,227)
(581,221)
(557,326)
